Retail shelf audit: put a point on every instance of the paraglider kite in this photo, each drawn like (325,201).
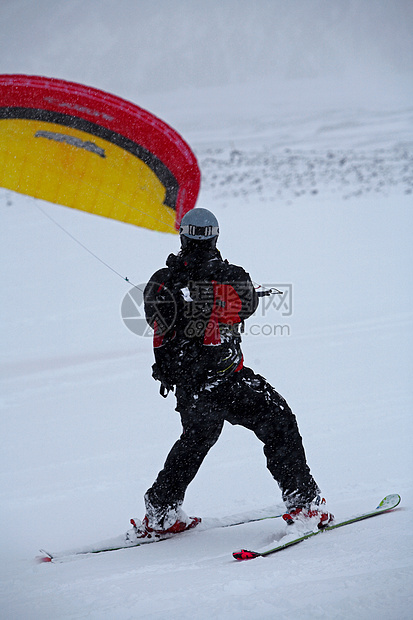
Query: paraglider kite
(83,148)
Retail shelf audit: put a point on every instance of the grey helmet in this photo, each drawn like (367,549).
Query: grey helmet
(199,225)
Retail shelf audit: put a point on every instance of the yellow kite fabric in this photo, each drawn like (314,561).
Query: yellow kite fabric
(79,147)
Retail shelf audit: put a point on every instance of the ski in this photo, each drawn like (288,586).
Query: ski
(120,542)
(388,503)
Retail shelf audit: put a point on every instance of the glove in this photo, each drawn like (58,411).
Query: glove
(166,385)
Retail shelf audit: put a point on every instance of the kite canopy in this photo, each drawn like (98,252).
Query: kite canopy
(83,148)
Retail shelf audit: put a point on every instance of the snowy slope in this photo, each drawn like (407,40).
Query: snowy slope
(301,119)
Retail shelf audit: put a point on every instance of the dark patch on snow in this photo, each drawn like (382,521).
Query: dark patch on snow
(270,173)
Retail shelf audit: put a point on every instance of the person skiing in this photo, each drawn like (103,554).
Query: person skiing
(196,306)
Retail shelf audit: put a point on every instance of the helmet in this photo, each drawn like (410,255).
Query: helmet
(199,224)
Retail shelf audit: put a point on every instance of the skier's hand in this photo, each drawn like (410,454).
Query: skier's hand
(158,376)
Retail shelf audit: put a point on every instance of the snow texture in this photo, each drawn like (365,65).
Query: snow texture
(300,114)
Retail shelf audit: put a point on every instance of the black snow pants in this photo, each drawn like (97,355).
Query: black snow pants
(247,399)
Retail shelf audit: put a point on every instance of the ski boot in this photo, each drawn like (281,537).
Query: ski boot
(314,516)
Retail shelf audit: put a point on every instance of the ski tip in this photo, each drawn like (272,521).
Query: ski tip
(245,555)
(389,502)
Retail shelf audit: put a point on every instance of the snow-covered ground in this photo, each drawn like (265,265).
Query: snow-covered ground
(300,114)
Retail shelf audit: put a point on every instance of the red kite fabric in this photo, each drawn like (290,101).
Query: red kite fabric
(83,148)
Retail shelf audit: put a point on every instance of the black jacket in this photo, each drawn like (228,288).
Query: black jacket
(196,306)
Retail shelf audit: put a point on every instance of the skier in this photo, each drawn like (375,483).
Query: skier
(196,307)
